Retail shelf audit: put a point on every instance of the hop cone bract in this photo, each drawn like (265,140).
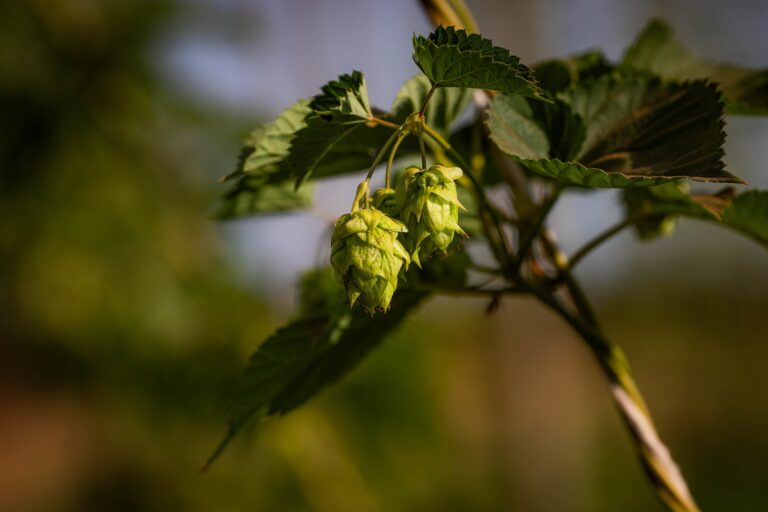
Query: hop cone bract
(429,207)
(367,257)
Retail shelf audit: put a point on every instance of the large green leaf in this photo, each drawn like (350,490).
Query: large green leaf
(453,58)
(656,50)
(266,149)
(251,195)
(638,133)
(514,129)
(556,75)
(445,105)
(746,213)
(308,132)
(305,356)
(259,186)
(325,136)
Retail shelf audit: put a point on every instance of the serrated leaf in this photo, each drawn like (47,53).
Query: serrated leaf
(746,213)
(556,75)
(305,356)
(656,50)
(445,105)
(313,143)
(574,173)
(453,58)
(267,148)
(303,137)
(637,134)
(344,99)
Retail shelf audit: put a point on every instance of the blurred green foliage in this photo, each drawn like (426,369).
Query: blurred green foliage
(123,328)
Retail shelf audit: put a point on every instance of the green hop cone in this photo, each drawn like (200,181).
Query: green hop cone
(385,200)
(429,207)
(367,257)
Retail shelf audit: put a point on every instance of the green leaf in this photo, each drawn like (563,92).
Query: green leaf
(252,195)
(657,208)
(453,58)
(514,130)
(343,100)
(746,213)
(656,50)
(266,149)
(304,137)
(638,133)
(305,356)
(556,75)
(470,140)
(321,137)
(445,105)
(535,130)
(260,187)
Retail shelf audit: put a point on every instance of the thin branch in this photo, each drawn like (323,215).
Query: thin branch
(530,233)
(428,97)
(601,238)
(662,470)
(400,138)
(382,152)
(382,122)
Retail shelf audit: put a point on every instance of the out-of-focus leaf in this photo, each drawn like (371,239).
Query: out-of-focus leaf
(252,195)
(656,50)
(453,58)
(305,356)
(637,134)
(746,213)
(444,107)
(644,204)
(556,75)
(266,149)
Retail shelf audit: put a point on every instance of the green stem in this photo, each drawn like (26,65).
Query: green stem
(657,462)
(421,147)
(530,233)
(501,252)
(382,152)
(400,138)
(382,122)
(603,237)
(428,97)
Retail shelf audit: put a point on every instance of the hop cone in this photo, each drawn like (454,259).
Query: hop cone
(367,257)
(429,207)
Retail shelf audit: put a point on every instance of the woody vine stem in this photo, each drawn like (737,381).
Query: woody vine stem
(567,299)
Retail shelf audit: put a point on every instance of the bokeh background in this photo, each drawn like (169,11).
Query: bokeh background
(126,314)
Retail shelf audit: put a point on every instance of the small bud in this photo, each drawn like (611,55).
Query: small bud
(385,201)
(429,207)
(367,256)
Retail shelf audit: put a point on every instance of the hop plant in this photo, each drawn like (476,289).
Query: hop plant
(429,207)
(385,200)
(366,256)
